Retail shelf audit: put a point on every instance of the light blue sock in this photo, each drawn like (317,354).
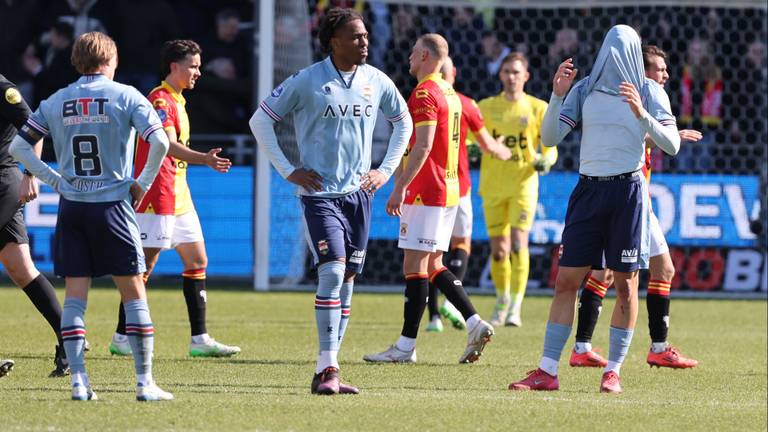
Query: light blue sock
(141,336)
(555,339)
(328,304)
(620,339)
(73,333)
(346,308)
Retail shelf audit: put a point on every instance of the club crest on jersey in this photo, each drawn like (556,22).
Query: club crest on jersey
(327,89)
(524,121)
(277,91)
(84,110)
(322,247)
(367,92)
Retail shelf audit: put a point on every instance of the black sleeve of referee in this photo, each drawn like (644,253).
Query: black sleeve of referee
(13,108)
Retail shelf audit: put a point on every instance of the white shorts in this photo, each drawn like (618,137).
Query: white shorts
(462,227)
(426,228)
(658,242)
(169,231)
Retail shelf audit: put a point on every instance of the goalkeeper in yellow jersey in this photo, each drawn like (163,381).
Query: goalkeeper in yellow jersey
(510,188)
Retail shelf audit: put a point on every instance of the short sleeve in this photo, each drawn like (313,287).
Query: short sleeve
(165,110)
(36,127)
(570,113)
(285,97)
(657,104)
(392,103)
(473,115)
(12,105)
(143,115)
(423,107)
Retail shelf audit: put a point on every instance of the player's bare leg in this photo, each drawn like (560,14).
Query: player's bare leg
(661,354)
(195,261)
(501,274)
(622,328)
(559,325)
(520,263)
(590,305)
(119,344)
(17,261)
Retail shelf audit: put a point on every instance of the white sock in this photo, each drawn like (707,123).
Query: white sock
(658,347)
(201,338)
(548,365)
(80,378)
(472,321)
(144,379)
(613,367)
(327,359)
(405,344)
(582,347)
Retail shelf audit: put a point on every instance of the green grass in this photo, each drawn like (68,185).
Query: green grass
(266,387)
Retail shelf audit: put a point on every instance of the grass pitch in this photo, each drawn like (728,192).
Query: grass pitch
(266,387)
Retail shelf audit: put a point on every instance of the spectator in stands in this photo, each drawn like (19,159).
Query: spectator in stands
(220,101)
(407,26)
(83,15)
(54,69)
(701,94)
(463,34)
(226,42)
(141,27)
(745,105)
(380,33)
(15,36)
(485,75)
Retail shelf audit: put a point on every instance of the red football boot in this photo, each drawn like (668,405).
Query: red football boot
(537,380)
(670,358)
(587,359)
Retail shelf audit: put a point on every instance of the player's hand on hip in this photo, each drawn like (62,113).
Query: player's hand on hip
(137,194)
(307,179)
(564,77)
(632,97)
(372,181)
(217,163)
(28,189)
(395,202)
(690,135)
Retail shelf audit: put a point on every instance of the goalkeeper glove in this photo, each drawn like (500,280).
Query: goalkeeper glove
(542,165)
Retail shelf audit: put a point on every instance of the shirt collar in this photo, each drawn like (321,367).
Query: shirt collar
(433,76)
(176,95)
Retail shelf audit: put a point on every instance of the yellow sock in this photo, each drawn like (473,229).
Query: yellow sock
(501,274)
(520,265)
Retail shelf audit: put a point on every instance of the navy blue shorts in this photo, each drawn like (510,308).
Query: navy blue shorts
(97,239)
(607,217)
(337,228)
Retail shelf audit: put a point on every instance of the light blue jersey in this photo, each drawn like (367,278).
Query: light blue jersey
(93,124)
(334,116)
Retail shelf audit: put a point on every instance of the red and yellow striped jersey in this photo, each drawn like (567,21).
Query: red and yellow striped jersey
(434,102)
(471,120)
(169,194)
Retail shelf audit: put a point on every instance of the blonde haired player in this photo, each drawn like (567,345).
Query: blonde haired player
(510,205)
